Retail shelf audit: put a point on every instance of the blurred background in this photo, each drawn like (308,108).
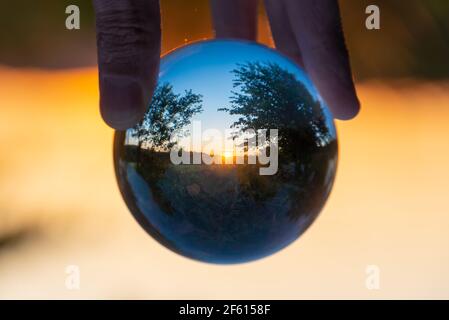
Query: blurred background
(60,206)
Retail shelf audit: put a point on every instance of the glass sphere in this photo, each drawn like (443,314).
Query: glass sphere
(235,157)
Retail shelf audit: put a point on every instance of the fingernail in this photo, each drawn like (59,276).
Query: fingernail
(122,102)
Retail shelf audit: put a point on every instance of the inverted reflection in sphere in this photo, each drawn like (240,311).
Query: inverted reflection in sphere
(235,157)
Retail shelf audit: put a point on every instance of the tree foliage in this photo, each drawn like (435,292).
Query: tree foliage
(168,113)
(267,96)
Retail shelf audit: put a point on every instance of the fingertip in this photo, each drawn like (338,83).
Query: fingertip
(122,102)
(129,46)
(123,123)
(346,109)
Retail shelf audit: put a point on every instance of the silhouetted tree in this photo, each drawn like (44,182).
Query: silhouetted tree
(270,97)
(168,113)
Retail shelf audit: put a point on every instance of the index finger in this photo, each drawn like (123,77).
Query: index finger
(319,34)
(129,46)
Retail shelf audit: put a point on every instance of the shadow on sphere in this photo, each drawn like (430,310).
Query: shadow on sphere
(227,212)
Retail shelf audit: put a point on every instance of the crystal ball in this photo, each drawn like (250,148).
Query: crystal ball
(235,157)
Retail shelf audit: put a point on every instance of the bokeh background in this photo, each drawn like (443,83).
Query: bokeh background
(60,206)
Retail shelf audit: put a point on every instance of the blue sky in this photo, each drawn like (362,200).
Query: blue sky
(205,67)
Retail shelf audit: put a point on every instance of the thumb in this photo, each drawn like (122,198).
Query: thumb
(129,45)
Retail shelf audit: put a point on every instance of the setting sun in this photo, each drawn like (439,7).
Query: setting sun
(228,154)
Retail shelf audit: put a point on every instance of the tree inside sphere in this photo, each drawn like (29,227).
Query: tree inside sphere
(235,157)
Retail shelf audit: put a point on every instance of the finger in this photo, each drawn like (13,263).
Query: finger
(282,31)
(235,19)
(129,42)
(319,34)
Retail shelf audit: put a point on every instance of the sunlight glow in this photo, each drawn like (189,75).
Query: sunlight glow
(228,154)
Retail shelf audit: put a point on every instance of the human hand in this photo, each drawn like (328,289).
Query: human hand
(129,47)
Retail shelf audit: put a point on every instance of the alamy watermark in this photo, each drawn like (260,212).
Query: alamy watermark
(72,22)
(372,22)
(212,146)
(73,278)
(372,280)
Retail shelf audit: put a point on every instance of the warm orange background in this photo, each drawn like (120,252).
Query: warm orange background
(60,206)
